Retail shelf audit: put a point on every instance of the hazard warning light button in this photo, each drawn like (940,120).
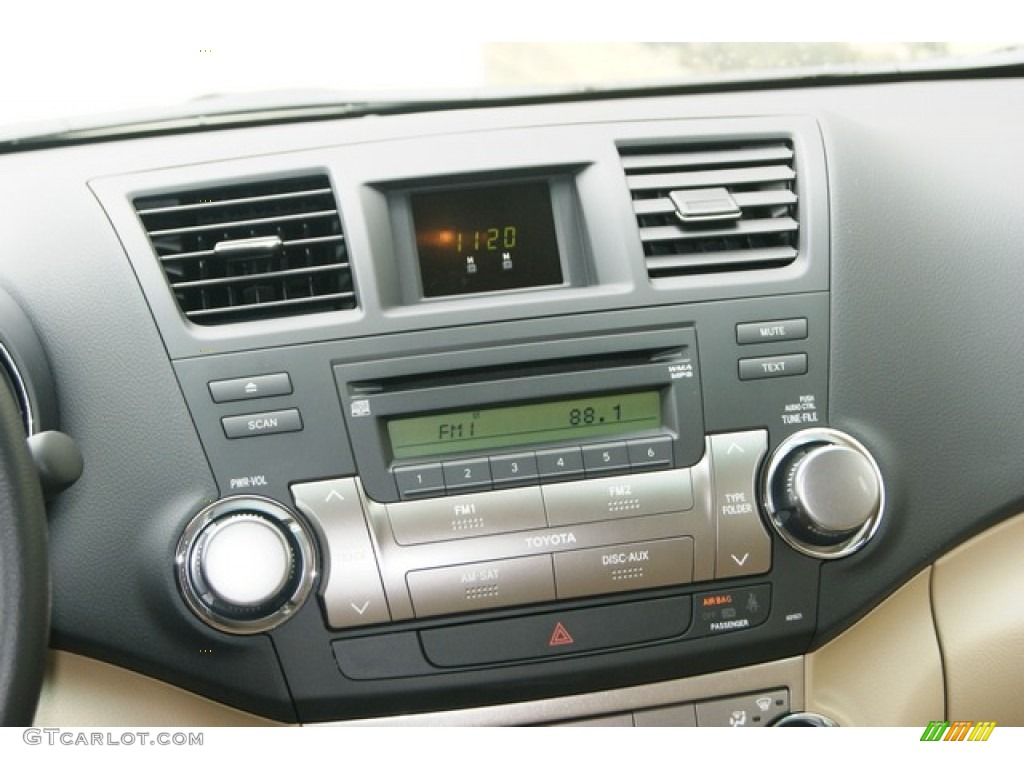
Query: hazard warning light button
(558,633)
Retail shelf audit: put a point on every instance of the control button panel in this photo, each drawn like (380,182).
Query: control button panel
(266,423)
(548,466)
(537,543)
(250,388)
(750,710)
(794,329)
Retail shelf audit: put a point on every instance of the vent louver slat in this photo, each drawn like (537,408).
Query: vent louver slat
(756,178)
(251,251)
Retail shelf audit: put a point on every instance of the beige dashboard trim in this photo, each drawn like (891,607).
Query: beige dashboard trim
(978,595)
(79,691)
(886,670)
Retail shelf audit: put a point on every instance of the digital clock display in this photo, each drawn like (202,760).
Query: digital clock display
(509,426)
(482,239)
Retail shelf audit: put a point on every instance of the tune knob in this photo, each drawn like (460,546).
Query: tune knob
(245,564)
(823,492)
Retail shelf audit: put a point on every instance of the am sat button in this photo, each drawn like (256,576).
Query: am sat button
(267,423)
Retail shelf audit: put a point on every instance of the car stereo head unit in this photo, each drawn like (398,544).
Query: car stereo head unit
(534,413)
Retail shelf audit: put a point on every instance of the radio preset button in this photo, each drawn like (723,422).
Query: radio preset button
(421,480)
(514,469)
(605,458)
(650,453)
(471,514)
(624,568)
(467,474)
(560,463)
(590,501)
(479,586)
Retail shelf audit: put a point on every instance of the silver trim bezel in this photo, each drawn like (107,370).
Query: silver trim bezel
(305,557)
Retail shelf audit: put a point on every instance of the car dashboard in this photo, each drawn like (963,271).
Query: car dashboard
(638,409)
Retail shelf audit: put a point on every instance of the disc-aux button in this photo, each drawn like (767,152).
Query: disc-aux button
(623,568)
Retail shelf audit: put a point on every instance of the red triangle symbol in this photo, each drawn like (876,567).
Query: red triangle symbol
(560,636)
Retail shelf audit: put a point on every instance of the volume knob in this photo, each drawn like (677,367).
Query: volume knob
(245,564)
(823,492)
(245,561)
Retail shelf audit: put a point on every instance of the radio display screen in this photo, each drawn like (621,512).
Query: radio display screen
(511,426)
(482,239)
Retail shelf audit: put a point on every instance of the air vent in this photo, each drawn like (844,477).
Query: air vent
(251,251)
(714,207)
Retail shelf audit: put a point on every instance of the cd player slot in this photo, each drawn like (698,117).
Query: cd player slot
(500,372)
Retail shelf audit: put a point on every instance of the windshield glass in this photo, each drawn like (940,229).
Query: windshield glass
(118,72)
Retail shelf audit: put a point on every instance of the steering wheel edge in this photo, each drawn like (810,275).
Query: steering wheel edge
(24,573)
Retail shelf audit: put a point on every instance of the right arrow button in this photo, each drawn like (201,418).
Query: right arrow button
(744,547)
